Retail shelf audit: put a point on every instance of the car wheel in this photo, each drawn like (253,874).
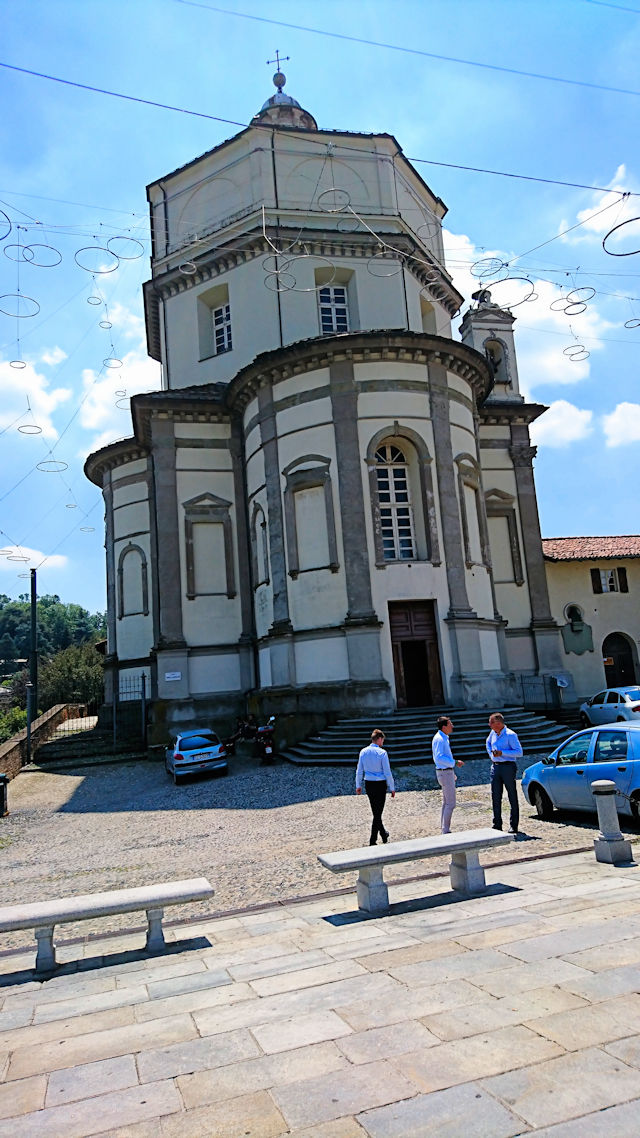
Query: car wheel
(584,720)
(176,780)
(542,803)
(620,719)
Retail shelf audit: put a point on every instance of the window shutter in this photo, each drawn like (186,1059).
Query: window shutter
(595,581)
(622,579)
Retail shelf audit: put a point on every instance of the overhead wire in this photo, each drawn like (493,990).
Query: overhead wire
(409,50)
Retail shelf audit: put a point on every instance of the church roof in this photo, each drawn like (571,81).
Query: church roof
(591,548)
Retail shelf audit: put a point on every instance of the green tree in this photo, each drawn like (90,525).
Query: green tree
(73,674)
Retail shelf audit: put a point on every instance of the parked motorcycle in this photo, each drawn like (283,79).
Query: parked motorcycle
(264,741)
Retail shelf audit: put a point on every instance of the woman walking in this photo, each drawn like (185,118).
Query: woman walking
(373,768)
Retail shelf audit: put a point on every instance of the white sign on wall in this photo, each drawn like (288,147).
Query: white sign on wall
(169,676)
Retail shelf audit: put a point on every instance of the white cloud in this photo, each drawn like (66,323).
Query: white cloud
(53,356)
(24,387)
(30,559)
(107,412)
(542,333)
(622,425)
(562,424)
(606,210)
(129,323)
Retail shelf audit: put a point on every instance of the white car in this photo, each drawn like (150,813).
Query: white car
(195,751)
(613,705)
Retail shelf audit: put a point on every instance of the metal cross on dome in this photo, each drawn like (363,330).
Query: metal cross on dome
(279,78)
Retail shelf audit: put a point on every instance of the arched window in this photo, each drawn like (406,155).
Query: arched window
(396,520)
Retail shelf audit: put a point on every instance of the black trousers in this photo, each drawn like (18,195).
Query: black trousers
(377,795)
(504,775)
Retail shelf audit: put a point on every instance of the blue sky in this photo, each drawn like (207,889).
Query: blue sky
(74,165)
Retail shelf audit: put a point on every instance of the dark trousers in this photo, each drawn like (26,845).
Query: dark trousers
(504,775)
(377,795)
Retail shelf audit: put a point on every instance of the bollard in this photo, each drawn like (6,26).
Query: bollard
(609,846)
(4,807)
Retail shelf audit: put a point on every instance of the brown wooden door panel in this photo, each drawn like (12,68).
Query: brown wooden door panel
(412,621)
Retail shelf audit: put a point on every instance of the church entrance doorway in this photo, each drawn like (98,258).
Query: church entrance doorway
(617,654)
(416,657)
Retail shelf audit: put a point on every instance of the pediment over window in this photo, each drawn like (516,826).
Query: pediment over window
(207,500)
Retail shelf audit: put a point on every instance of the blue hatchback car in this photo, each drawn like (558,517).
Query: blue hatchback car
(563,780)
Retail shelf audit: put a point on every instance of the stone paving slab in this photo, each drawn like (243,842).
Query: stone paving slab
(517,1012)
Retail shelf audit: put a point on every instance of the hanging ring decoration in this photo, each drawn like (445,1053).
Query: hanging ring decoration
(280,285)
(5,220)
(576,308)
(10,256)
(188,268)
(17,364)
(313,257)
(42,264)
(52,466)
(633,323)
(531,295)
(17,557)
(112,362)
(559,304)
(123,403)
(101,269)
(30,429)
(87,529)
(105,324)
(21,299)
(488,267)
(576,353)
(341,200)
(574,298)
(606,237)
(121,394)
(376,259)
(348,224)
(23,574)
(71,506)
(431,228)
(95,300)
(271,272)
(130,241)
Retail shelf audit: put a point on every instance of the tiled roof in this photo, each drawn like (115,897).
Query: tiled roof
(590,548)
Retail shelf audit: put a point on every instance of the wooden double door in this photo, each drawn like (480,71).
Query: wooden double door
(416,655)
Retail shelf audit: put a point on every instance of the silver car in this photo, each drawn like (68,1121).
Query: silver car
(195,751)
(613,705)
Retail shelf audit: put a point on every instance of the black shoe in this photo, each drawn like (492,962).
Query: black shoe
(372,842)
(513,830)
(385,837)
(496,827)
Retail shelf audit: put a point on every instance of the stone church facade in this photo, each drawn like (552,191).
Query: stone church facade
(330,505)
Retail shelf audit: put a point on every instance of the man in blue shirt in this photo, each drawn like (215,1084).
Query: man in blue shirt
(444,763)
(373,767)
(503,748)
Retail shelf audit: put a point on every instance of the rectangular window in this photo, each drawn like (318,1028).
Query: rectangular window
(221,318)
(610,580)
(334,309)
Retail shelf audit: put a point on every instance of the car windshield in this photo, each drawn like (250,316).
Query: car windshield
(632,694)
(197,742)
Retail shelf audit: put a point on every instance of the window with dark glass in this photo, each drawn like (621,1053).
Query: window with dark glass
(394,502)
(222,329)
(334,309)
(610,580)
(611,747)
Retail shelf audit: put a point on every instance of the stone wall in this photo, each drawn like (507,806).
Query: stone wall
(13,753)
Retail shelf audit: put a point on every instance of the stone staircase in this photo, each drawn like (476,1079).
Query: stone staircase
(409,732)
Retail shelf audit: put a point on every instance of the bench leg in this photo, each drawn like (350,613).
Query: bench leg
(467,875)
(155,935)
(46,954)
(373,895)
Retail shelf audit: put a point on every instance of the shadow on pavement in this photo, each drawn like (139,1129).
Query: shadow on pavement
(92,963)
(418,905)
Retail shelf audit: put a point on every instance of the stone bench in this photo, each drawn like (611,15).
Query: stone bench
(467,875)
(43,916)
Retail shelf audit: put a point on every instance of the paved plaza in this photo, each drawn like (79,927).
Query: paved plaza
(511,1013)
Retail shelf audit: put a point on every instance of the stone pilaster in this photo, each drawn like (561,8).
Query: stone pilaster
(282,655)
(543,626)
(361,622)
(244,557)
(171,649)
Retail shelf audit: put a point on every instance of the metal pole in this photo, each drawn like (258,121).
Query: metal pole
(33,655)
(143,725)
(29,687)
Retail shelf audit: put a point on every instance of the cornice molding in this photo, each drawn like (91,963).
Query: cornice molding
(500,413)
(110,457)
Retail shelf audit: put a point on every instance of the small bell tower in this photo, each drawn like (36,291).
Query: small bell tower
(489,329)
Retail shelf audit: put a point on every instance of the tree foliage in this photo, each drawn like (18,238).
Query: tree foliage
(75,674)
(59,626)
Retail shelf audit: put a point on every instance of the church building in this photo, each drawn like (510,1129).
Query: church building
(329,507)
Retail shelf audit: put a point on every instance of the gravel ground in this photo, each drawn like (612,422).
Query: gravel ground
(255,834)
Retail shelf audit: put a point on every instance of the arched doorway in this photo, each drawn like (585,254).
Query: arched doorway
(617,654)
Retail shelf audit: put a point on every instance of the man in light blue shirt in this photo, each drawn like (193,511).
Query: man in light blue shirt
(373,768)
(503,748)
(444,763)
